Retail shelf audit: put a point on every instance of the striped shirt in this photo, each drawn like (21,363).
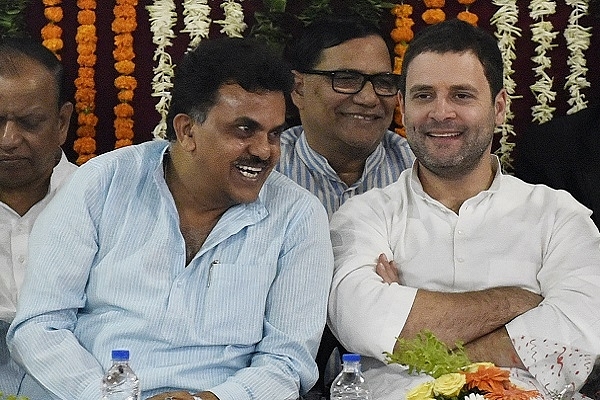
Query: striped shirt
(108,270)
(312,171)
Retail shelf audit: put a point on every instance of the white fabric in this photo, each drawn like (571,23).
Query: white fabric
(14,237)
(514,234)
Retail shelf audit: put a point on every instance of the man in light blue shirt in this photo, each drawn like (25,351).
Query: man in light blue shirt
(211,269)
(345,93)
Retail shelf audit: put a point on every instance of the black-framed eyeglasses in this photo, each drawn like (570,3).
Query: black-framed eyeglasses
(352,82)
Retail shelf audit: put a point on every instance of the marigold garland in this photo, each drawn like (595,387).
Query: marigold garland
(85,92)
(401,35)
(51,33)
(434,14)
(123,26)
(467,15)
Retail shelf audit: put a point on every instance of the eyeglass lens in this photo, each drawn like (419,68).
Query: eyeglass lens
(350,82)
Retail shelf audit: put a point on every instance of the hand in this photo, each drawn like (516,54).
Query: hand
(387,270)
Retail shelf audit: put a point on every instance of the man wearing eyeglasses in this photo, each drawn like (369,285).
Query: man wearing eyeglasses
(345,93)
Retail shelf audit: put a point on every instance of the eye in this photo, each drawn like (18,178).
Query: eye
(29,123)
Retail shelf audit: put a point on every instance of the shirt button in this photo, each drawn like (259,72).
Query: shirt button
(21,259)
(178,284)
(460,259)
(460,232)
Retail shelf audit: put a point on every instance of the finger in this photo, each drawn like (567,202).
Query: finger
(383,272)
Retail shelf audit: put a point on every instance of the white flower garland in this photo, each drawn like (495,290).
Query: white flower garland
(542,35)
(196,18)
(505,19)
(578,41)
(162,20)
(233,24)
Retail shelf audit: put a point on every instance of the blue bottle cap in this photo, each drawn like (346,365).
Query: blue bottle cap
(120,355)
(350,357)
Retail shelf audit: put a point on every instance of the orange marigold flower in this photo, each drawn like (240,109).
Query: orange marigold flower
(123,133)
(87,119)
(125,82)
(86,4)
(400,35)
(124,11)
(466,2)
(405,23)
(86,72)
(122,143)
(87,60)
(468,17)
(124,40)
(85,145)
(402,10)
(128,2)
(86,17)
(83,82)
(125,95)
(123,110)
(434,3)
(124,25)
(53,14)
(434,16)
(489,379)
(51,31)
(86,131)
(125,67)
(401,131)
(82,159)
(50,3)
(86,34)
(397,65)
(123,123)
(53,44)
(123,54)
(397,116)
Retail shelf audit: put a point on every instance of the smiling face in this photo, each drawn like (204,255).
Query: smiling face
(337,123)
(448,112)
(32,127)
(228,157)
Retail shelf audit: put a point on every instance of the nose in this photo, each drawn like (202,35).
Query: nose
(442,109)
(9,134)
(260,146)
(367,95)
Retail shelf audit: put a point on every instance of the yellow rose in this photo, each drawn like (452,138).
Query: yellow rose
(422,392)
(449,384)
(472,368)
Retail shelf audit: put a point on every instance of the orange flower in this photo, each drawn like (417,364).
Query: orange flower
(124,40)
(434,16)
(402,10)
(86,4)
(51,31)
(513,393)
(86,17)
(434,3)
(125,95)
(87,60)
(51,3)
(53,14)
(489,379)
(87,73)
(397,65)
(123,53)
(400,49)
(85,145)
(125,67)
(468,17)
(53,45)
(86,131)
(401,131)
(122,143)
(122,25)
(86,34)
(87,119)
(466,2)
(123,110)
(126,82)
(400,35)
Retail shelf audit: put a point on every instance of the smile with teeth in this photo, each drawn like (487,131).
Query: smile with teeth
(446,134)
(363,117)
(249,172)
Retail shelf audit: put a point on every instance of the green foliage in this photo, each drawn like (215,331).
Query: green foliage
(11,397)
(426,353)
(315,10)
(12,19)
(371,10)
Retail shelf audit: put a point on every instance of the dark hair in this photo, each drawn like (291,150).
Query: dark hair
(329,31)
(455,36)
(13,48)
(249,63)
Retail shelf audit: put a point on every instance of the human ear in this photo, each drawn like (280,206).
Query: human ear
(183,124)
(64,120)
(298,90)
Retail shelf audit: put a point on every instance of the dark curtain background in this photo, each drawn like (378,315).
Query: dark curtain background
(146,117)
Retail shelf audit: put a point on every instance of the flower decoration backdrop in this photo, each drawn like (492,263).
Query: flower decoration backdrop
(552,52)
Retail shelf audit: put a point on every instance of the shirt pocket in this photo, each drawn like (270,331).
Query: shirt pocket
(235,304)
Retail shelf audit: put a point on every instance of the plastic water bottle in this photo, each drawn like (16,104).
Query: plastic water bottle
(120,382)
(350,383)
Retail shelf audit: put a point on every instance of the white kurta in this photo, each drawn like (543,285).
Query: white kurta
(513,234)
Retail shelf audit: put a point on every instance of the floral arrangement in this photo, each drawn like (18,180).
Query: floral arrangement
(455,377)
(233,24)
(196,18)
(123,26)
(578,41)
(51,32)
(434,13)
(12,397)
(401,35)
(467,15)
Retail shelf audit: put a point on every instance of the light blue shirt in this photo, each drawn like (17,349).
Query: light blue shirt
(107,270)
(312,171)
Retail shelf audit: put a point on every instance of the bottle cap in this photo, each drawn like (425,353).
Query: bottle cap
(350,357)
(120,355)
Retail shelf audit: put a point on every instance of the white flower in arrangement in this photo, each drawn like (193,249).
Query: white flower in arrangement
(233,24)
(196,18)
(506,21)
(474,396)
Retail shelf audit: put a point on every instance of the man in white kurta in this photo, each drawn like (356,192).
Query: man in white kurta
(458,248)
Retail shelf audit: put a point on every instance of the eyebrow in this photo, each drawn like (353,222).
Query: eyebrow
(453,88)
(255,125)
